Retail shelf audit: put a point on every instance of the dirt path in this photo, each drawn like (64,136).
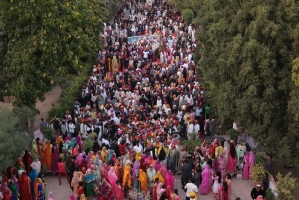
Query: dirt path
(52,98)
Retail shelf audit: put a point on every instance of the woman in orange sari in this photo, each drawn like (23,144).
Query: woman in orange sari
(36,183)
(48,154)
(127,177)
(160,177)
(143,180)
(116,169)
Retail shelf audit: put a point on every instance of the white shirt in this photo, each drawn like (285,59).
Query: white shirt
(190,187)
(106,142)
(138,149)
(71,128)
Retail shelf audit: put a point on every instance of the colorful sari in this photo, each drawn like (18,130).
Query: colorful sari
(119,192)
(104,154)
(127,177)
(246,166)
(105,190)
(205,186)
(150,176)
(156,165)
(135,174)
(33,175)
(112,179)
(169,180)
(221,165)
(160,177)
(143,180)
(25,190)
(163,169)
(48,154)
(89,180)
(54,162)
(104,171)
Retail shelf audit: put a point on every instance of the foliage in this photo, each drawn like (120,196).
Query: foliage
(113,6)
(70,93)
(190,4)
(48,133)
(12,141)
(191,144)
(88,143)
(258,172)
(3,47)
(25,114)
(248,48)
(188,15)
(269,193)
(47,39)
(286,186)
(233,134)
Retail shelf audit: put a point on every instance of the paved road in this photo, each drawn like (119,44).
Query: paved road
(241,188)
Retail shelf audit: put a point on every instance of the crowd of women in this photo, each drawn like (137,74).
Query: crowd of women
(142,98)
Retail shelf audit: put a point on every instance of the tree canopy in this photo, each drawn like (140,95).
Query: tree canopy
(248,49)
(47,39)
(13,137)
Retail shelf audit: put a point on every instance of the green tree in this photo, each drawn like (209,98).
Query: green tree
(47,39)
(286,186)
(13,141)
(247,52)
(188,15)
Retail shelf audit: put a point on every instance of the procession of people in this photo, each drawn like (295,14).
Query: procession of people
(142,99)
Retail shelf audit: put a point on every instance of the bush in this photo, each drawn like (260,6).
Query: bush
(70,93)
(191,144)
(13,141)
(233,134)
(286,186)
(48,133)
(188,15)
(88,143)
(258,172)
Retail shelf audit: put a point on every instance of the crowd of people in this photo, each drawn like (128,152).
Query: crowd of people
(142,99)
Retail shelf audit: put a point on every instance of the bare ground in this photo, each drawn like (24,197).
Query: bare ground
(52,97)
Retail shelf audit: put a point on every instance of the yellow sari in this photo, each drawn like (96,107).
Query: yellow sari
(143,180)
(159,175)
(58,140)
(92,156)
(104,154)
(193,194)
(138,156)
(127,176)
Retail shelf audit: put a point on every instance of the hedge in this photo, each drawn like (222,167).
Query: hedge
(70,93)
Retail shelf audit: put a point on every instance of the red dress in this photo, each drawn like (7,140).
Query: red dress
(155,192)
(231,164)
(25,191)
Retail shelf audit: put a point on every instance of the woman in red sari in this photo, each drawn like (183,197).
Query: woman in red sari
(119,191)
(25,191)
(27,160)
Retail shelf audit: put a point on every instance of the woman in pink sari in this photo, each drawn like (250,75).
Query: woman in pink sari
(231,162)
(246,166)
(169,180)
(54,163)
(163,169)
(119,191)
(160,190)
(112,179)
(168,192)
(104,171)
(79,159)
(156,165)
(251,159)
(221,165)
(205,186)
